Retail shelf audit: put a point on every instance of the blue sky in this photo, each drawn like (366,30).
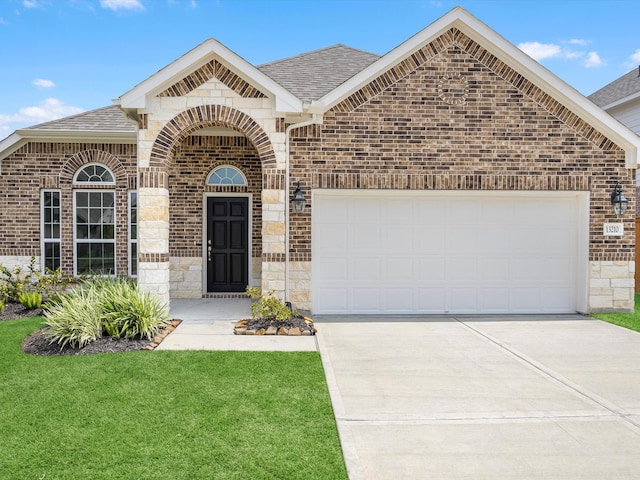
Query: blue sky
(60,57)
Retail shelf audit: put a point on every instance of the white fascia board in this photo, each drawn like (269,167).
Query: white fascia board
(194,59)
(9,145)
(622,101)
(21,137)
(511,55)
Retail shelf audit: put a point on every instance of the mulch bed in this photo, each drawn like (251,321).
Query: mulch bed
(293,327)
(39,344)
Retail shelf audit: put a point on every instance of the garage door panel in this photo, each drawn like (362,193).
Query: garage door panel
(426,253)
(494,300)
(366,300)
(365,269)
(430,300)
(398,270)
(334,270)
(366,238)
(335,300)
(461,269)
(461,300)
(429,239)
(429,269)
(398,300)
(332,238)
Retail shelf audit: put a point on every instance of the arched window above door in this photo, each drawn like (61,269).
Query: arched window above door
(226,175)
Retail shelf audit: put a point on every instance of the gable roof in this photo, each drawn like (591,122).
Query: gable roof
(621,90)
(509,54)
(196,58)
(312,75)
(105,119)
(105,125)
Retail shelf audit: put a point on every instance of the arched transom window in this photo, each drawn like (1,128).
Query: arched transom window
(226,175)
(94,173)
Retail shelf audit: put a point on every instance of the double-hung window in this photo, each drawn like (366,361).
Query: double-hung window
(50,228)
(94,222)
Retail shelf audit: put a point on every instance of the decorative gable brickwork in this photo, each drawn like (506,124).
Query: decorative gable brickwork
(209,70)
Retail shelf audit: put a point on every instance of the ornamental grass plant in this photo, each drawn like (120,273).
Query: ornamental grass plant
(106,306)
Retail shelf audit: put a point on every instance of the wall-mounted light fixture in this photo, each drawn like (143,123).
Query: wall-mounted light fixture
(618,201)
(297,201)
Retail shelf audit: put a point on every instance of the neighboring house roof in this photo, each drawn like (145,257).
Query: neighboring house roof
(619,91)
(286,84)
(312,75)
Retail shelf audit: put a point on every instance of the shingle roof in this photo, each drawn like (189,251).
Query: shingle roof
(309,76)
(626,85)
(105,119)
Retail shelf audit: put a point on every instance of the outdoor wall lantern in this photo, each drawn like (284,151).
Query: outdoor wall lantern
(298,202)
(618,200)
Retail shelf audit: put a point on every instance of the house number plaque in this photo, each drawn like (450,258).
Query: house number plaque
(614,229)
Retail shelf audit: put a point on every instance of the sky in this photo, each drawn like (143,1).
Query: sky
(62,57)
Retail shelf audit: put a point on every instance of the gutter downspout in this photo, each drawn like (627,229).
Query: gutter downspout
(312,121)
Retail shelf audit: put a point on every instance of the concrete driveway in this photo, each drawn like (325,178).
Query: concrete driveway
(544,397)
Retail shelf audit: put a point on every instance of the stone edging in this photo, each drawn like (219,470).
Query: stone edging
(162,334)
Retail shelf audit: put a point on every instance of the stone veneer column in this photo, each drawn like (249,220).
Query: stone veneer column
(153,233)
(300,285)
(273,242)
(611,286)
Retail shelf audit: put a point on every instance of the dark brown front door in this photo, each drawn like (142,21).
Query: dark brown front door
(227,244)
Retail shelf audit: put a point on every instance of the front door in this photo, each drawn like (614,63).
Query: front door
(227,254)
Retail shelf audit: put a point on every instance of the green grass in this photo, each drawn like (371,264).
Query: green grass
(163,415)
(627,320)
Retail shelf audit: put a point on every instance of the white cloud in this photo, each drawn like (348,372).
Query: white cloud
(3,21)
(45,111)
(43,83)
(635,57)
(122,5)
(540,51)
(30,4)
(594,60)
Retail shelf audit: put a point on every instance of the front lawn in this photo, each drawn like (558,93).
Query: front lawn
(628,320)
(163,415)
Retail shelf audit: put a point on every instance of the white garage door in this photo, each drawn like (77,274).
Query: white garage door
(447,253)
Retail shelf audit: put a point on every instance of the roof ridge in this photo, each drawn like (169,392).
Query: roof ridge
(311,52)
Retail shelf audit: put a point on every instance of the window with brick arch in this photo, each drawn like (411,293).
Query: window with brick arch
(226,175)
(94,222)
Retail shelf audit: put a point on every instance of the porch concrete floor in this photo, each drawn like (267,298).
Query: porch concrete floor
(207,324)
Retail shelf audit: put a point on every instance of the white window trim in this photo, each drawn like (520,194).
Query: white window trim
(43,240)
(244,178)
(75,177)
(131,241)
(115,230)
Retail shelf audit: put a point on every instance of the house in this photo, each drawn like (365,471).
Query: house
(621,99)
(454,174)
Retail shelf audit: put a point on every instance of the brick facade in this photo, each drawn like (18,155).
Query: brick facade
(38,166)
(450,116)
